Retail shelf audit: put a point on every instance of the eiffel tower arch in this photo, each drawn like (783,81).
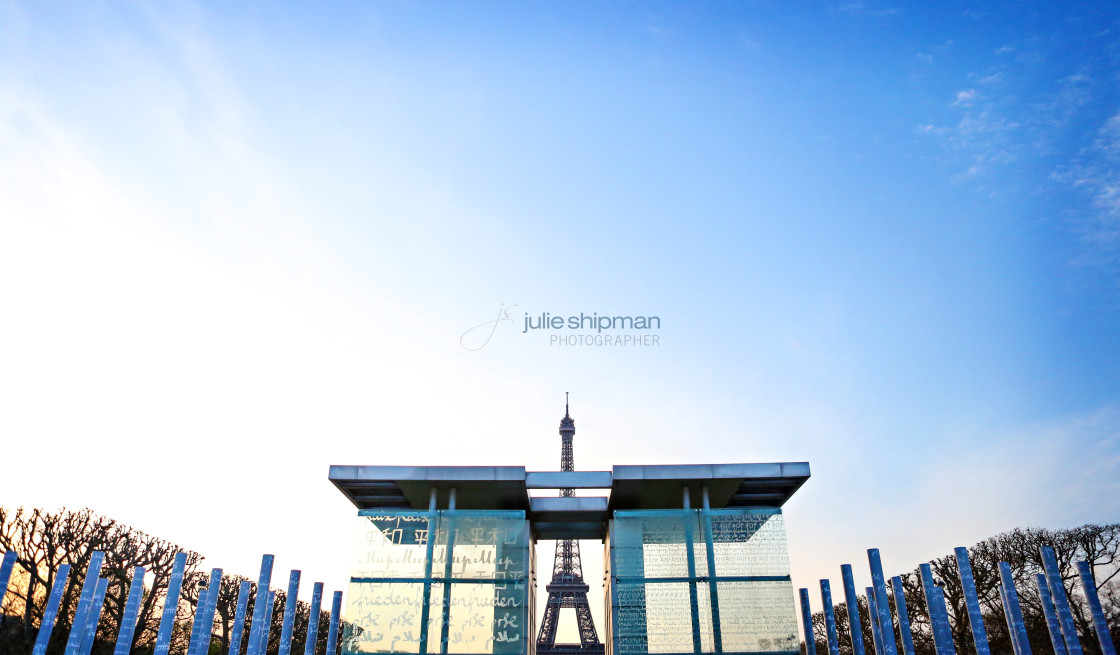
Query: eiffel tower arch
(567,588)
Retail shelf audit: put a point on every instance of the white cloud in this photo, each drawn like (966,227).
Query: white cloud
(964,98)
(1100,176)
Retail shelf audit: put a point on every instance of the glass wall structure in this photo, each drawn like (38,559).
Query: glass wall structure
(699,581)
(457,582)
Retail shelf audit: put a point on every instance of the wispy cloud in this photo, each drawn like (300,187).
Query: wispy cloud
(1098,175)
(964,98)
(1011,121)
(983,134)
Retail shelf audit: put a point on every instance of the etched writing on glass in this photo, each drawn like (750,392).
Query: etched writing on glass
(468,572)
(661,596)
(750,544)
(768,620)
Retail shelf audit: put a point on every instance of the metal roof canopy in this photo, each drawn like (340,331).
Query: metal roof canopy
(582,517)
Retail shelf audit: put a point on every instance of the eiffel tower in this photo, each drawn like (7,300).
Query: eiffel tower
(567,588)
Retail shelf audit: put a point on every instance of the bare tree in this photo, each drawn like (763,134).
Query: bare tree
(1097,544)
(43,541)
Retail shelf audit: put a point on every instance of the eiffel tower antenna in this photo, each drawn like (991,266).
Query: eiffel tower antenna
(567,588)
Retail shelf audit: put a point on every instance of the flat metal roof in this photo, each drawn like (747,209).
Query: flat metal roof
(583,517)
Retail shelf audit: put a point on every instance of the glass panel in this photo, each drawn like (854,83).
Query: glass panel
(749,544)
(651,544)
(487,545)
(757,616)
(390,545)
(486,619)
(628,627)
(668,617)
(487,616)
(664,560)
(652,615)
(383,617)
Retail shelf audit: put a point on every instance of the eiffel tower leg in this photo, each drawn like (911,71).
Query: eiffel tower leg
(587,636)
(551,619)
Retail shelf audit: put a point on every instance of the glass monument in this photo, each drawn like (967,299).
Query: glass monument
(459,582)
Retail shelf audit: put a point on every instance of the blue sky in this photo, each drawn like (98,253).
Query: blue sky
(241,244)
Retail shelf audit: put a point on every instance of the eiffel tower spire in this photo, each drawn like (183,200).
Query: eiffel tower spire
(567,588)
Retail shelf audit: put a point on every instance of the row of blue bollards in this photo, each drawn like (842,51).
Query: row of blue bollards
(1059,617)
(92,599)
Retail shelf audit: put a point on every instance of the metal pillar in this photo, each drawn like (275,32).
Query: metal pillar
(854,625)
(882,603)
(289,613)
(239,617)
(46,626)
(938,615)
(876,628)
(131,612)
(903,615)
(1014,611)
(261,607)
(336,617)
(830,619)
(170,605)
(1055,630)
(975,616)
(313,619)
(807,623)
(85,602)
(1061,602)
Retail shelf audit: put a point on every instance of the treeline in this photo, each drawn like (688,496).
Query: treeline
(44,540)
(1097,544)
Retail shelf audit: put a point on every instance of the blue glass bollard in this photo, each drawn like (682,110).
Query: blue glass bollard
(170,605)
(854,625)
(313,619)
(829,619)
(873,613)
(807,622)
(1061,602)
(131,612)
(239,617)
(208,611)
(196,623)
(1055,630)
(1100,625)
(972,602)
(1007,616)
(289,613)
(1014,611)
(46,626)
(93,617)
(260,607)
(882,603)
(266,629)
(6,572)
(938,615)
(85,602)
(336,618)
(903,615)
